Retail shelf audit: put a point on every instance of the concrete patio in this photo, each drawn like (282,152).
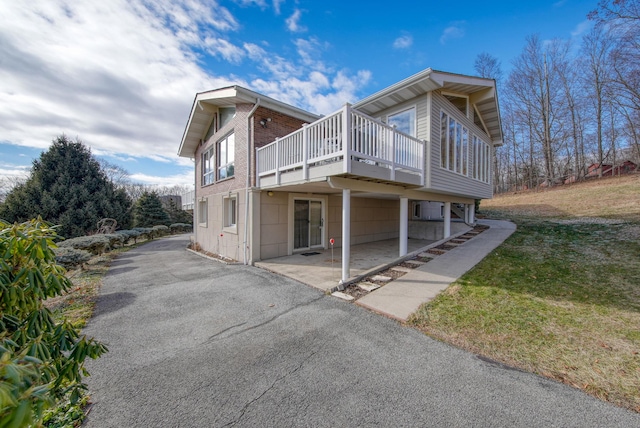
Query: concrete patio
(319,271)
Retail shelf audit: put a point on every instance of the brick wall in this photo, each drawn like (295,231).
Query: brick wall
(279,126)
(214,237)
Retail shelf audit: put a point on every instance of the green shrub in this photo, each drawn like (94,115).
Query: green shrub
(145,232)
(128,234)
(181,228)
(40,360)
(71,257)
(115,240)
(95,244)
(160,230)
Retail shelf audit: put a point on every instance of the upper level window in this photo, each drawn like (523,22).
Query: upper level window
(480,158)
(454,144)
(208,170)
(461,102)
(405,121)
(226,153)
(226,114)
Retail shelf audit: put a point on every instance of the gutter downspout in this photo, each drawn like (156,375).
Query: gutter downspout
(246,202)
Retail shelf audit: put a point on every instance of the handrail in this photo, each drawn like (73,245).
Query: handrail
(367,140)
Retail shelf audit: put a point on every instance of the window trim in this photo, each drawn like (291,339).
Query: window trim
(230,212)
(457,161)
(413,107)
(211,174)
(417,210)
(481,154)
(203,203)
(462,96)
(219,166)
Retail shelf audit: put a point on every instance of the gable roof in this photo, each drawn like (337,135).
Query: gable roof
(206,104)
(482,96)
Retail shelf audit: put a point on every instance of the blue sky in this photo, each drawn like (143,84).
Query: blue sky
(121,75)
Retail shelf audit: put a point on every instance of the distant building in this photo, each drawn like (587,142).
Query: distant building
(167,199)
(608,170)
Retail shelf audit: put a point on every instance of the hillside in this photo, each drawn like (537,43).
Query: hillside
(611,197)
(561,296)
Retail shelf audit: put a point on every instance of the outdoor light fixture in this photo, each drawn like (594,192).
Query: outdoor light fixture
(263,122)
(270,193)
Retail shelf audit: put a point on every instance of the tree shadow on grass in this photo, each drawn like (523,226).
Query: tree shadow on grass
(574,262)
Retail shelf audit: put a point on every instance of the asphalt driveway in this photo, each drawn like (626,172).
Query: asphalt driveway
(194,343)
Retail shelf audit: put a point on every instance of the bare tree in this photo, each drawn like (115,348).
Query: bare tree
(488,66)
(620,19)
(8,182)
(596,47)
(119,176)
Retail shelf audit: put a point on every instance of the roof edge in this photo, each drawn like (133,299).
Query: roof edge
(424,74)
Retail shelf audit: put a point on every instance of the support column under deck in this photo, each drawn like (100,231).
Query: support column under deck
(447,220)
(472,213)
(404,225)
(346,233)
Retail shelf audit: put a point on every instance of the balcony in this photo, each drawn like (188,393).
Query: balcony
(345,143)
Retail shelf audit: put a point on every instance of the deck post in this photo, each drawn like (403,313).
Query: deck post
(404,225)
(447,220)
(472,213)
(346,233)
(346,140)
(277,162)
(393,153)
(305,151)
(423,163)
(466,213)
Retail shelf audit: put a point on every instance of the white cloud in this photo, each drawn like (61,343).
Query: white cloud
(276,6)
(15,171)
(454,31)
(582,28)
(117,74)
(317,92)
(403,42)
(225,49)
(184,179)
(262,4)
(255,52)
(293,22)
(121,75)
(310,51)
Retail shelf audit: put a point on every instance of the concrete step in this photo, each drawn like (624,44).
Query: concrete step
(381,278)
(342,296)
(401,269)
(368,286)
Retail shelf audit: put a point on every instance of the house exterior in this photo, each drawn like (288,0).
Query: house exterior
(607,170)
(272,180)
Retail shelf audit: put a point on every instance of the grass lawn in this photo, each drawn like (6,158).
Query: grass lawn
(561,297)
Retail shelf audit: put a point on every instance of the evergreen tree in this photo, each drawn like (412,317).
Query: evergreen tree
(148,211)
(67,187)
(177,214)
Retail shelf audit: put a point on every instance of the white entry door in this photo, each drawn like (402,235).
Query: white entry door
(307,224)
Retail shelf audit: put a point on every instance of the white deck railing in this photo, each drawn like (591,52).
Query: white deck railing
(188,199)
(367,140)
